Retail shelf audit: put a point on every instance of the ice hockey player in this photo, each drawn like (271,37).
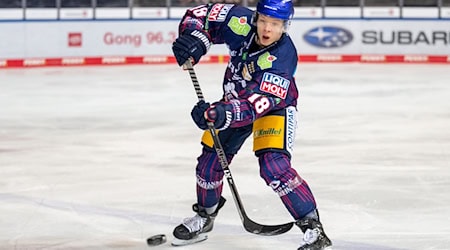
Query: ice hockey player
(260,97)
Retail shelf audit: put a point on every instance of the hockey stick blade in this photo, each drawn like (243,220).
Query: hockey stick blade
(248,224)
(266,230)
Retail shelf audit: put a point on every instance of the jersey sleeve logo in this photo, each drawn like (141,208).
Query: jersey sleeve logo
(219,12)
(239,25)
(275,85)
(265,60)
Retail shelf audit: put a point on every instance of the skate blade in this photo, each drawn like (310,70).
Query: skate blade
(179,242)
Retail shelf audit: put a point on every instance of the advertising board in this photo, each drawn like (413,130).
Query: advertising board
(328,40)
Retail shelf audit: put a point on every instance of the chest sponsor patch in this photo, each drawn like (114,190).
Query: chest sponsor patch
(265,60)
(219,12)
(239,25)
(275,85)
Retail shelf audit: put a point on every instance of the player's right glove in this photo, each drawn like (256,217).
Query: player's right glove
(191,44)
(203,112)
(198,114)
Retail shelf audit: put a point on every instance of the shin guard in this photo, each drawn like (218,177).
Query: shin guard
(209,179)
(276,170)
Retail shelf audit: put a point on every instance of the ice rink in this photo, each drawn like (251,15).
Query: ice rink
(104,157)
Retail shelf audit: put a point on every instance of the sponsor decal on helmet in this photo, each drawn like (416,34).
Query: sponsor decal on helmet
(328,37)
(239,25)
(275,8)
(275,85)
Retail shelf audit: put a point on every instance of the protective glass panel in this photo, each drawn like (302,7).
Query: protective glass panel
(343,3)
(308,3)
(11,4)
(381,3)
(76,3)
(41,3)
(112,3)
(419,3)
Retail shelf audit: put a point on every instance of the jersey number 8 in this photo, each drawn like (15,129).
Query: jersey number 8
(260,102)
(199,11)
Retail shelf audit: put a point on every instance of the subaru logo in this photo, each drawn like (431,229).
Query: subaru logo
(328,37)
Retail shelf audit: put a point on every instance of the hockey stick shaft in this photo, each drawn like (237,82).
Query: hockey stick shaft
(217,144)
(249,225)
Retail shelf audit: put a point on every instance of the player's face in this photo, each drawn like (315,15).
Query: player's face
(269,29)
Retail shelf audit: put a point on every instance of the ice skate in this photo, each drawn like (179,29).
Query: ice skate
(314,237)
(194,229)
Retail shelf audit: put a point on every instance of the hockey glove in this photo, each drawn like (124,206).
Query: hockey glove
(191,44)
(198,114)
(204,112)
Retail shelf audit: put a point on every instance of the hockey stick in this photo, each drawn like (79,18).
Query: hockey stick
(249,225)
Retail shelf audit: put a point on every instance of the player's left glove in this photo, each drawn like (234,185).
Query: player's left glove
(191,44)
(216,113)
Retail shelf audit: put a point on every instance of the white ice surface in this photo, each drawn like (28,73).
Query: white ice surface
(103,157)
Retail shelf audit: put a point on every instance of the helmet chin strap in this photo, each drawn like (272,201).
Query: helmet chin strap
(286,26)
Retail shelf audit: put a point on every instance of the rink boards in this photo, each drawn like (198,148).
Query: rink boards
(106,42)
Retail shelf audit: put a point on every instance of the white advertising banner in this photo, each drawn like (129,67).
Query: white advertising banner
(86,38)
(47,39)
(372,37)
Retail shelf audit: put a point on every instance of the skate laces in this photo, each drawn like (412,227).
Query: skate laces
(195,224)
(310,236)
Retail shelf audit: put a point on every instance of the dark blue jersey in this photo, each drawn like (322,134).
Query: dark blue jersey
(257,80)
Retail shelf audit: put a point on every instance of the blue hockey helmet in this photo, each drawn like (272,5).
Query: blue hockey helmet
(281,9)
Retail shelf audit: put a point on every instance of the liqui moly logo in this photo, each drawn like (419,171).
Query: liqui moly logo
(275,85)
(219,12)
